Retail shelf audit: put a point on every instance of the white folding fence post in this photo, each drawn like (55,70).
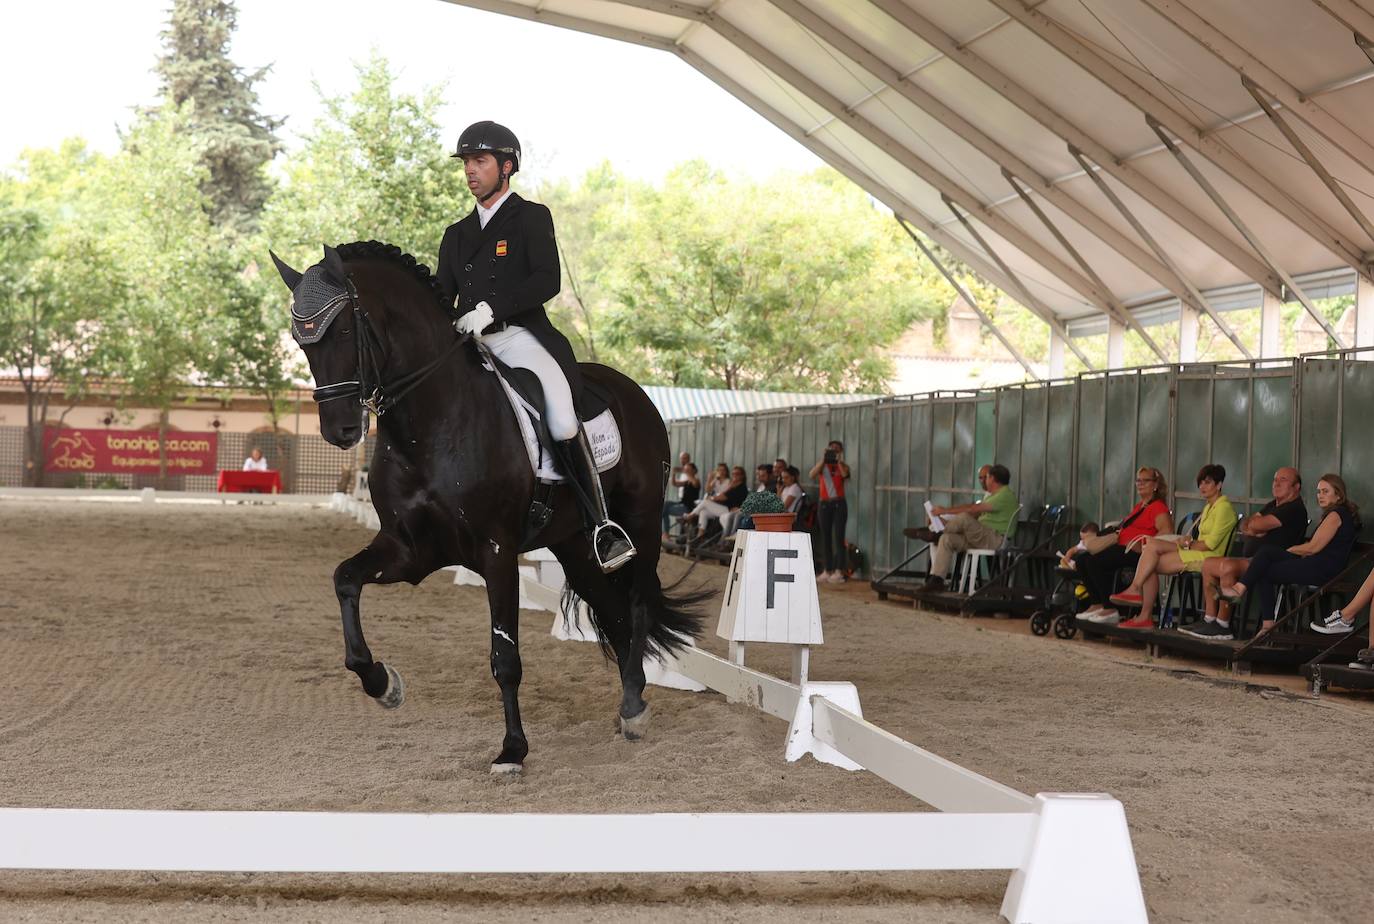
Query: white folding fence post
(770,596)
(1080,866)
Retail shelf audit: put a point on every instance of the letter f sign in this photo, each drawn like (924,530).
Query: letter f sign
(774,578)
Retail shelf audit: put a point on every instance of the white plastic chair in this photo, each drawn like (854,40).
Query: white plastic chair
(973,558)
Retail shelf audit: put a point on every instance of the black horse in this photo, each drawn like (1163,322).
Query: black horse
(451,480)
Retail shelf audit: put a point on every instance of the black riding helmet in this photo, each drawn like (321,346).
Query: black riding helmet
(491,138)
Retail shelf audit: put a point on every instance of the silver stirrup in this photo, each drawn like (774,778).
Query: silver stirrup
(605,523)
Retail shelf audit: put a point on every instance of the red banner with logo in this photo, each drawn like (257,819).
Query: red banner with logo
(116,452)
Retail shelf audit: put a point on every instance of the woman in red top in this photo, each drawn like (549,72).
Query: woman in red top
(831,472)
(1149,517)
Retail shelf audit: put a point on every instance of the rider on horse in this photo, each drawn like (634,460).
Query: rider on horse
(498,266)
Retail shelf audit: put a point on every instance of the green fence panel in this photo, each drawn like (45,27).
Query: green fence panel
(1009,411)
(1119,445)
(1357,440)
(1231,433)
(965,455)
(1320,423)
(1272,435)
(1193,424)
(1030,481)
(918,460)
(1092,398)
(1152,432)
(1059,443)
(985,438)
(942,474)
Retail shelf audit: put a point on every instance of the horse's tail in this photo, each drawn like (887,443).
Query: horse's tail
(666,620)
(669,619)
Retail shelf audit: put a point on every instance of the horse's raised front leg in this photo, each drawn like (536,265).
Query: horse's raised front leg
(503,596)
(385,561)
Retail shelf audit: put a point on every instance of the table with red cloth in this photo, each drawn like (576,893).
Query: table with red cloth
(232,482)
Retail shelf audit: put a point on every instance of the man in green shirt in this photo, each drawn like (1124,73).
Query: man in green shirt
(983,525)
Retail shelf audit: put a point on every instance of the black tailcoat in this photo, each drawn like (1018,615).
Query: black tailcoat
(512,265)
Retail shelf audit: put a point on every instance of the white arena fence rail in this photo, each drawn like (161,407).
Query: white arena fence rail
(1070,853)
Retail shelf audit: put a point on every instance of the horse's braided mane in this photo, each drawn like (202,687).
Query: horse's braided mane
(390,253)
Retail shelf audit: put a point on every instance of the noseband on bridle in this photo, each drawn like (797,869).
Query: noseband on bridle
(372,394)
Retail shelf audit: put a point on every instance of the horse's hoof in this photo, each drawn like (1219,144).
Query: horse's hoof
(635,728)
(507,770)
(395,692)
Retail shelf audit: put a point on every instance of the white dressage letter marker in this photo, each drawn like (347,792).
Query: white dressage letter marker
(770,595)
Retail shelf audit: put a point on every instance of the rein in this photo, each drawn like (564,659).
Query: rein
(372,393)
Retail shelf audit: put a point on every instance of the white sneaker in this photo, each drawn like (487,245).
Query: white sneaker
(1334,624)
(837,577)
(823,577)
(1105,617)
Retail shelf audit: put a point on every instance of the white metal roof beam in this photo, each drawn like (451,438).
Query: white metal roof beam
(1232,54)
(968,298)
(1101,298)
(1129,319)
(1198,300)
(1028,103)
(1349,14)
(847,45)
(1106,72)
(1308,155)
(1010,274)
(1244,229)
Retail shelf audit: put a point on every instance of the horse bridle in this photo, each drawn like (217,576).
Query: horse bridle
(373,395)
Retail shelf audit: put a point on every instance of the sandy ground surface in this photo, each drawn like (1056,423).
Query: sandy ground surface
(185,656)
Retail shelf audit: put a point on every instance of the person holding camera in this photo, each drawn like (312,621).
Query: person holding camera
(832,514)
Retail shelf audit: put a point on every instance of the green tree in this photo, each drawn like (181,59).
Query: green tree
(237,141)
(373,167)
(54,285)
(761,285)
(594,218)
(183,285)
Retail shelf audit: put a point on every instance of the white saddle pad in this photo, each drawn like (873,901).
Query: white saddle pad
(603,433)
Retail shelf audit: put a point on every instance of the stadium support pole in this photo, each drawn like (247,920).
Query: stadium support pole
(1364,316)
(1187,334)
(1116,344)
(1057,350)
(1271,326)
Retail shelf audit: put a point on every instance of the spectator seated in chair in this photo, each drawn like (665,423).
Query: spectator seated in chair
(1184,553)
(1313,562)
(1118,547)
(723,505)
(983,525)
(1087,532)
(255,462)
(1280,523)
(789,490)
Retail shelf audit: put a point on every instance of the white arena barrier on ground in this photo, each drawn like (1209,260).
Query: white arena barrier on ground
(1070,853)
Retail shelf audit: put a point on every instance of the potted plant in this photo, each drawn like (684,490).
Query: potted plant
(766,509)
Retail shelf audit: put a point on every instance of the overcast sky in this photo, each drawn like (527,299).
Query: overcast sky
(78,67)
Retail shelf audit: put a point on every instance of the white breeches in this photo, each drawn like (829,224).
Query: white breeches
(520,349)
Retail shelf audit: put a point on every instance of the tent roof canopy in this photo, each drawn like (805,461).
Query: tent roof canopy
(1028,119)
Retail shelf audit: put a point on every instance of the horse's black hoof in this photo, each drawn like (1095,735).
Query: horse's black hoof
(635,728)
(395,692)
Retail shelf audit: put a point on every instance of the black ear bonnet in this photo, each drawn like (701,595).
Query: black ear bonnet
(315,303)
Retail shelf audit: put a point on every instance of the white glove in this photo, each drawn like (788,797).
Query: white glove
(475,321)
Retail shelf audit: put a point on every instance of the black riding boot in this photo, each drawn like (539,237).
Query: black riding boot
(610,543)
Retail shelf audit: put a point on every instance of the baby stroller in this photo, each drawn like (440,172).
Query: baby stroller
(1061,606)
